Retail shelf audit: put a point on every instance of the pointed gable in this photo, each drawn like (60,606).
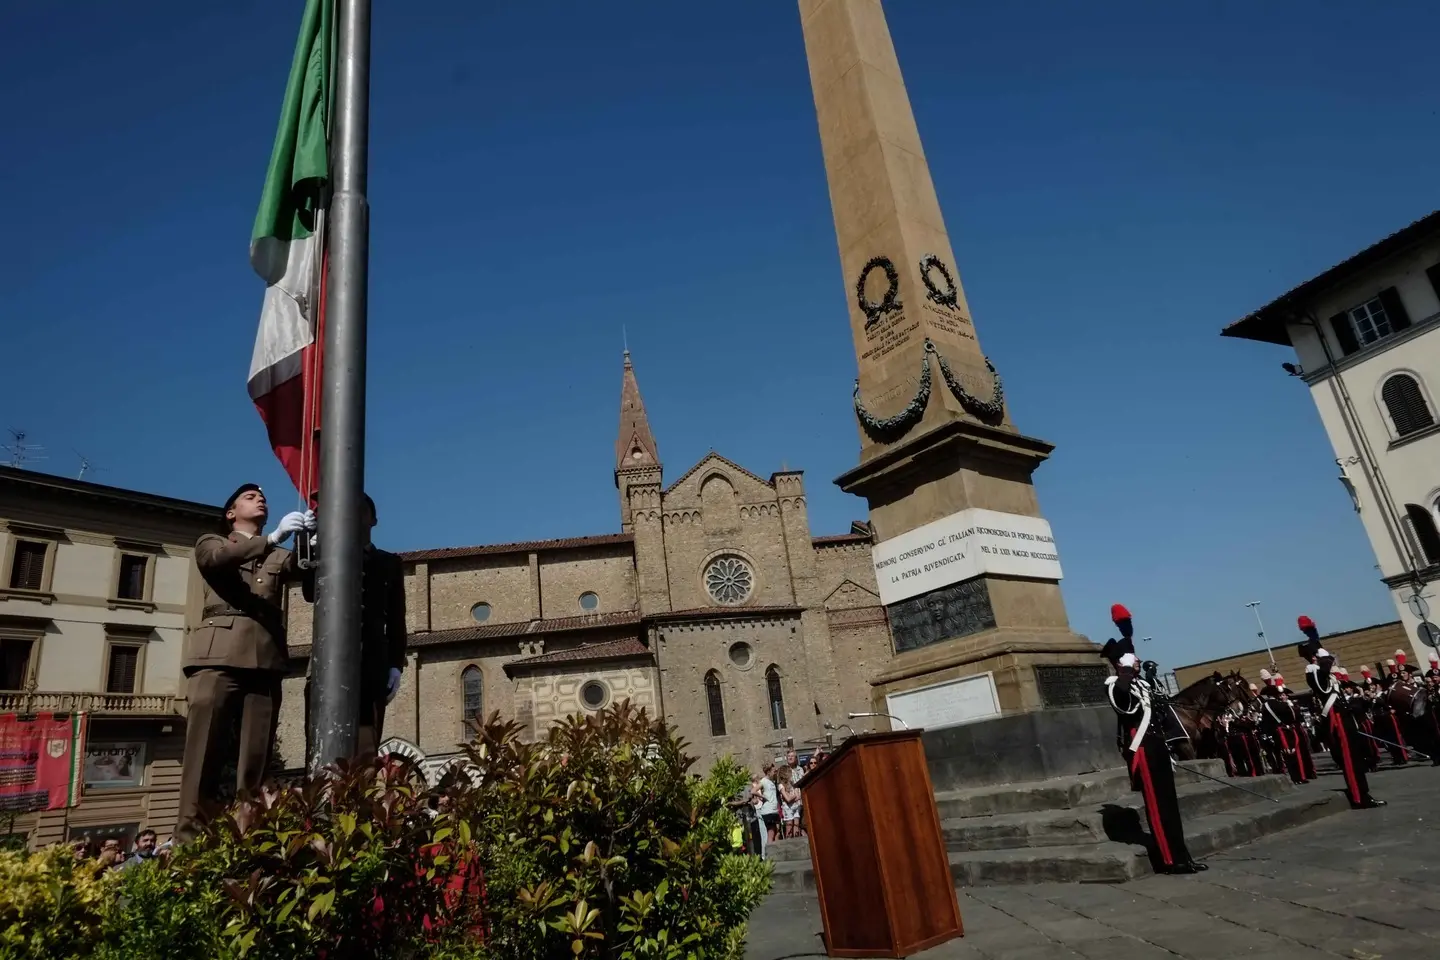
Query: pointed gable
(635,446)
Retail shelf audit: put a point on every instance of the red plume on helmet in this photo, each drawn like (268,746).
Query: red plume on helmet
(1121,618)
(1311,646)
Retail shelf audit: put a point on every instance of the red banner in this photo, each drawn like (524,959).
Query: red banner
(40,761)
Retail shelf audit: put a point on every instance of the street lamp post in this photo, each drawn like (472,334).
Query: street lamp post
(1254,605)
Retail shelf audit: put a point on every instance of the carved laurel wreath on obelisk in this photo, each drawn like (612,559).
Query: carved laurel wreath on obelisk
(890,429)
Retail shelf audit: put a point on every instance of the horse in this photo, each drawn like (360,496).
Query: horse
(1197,711)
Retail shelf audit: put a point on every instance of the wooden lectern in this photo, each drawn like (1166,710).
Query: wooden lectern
(881,868)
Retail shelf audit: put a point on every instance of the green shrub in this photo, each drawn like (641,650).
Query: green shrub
(351,864)
(597,843)
(52,907)
(159,915)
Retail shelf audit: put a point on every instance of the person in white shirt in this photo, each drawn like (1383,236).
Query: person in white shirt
(769,803)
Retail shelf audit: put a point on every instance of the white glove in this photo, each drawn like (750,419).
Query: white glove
(394,686)
(289,524)
(310,522)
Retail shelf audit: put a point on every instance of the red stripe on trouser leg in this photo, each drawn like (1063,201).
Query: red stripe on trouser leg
(1399,737)
(1352,786)
(1140,766)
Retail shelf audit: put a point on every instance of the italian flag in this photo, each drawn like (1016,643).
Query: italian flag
(287,249)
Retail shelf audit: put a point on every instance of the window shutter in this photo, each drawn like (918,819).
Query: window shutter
(28,570)
(123,662)
(1434,274)
(1405,404)
(132,577)
(1344,334)
(1394,309)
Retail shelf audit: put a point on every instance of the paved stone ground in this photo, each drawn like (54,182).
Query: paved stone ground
(1364,885)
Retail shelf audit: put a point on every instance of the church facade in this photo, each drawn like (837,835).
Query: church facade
(713,605)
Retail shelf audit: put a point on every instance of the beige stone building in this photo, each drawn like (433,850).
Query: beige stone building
(713,605)
(96,584)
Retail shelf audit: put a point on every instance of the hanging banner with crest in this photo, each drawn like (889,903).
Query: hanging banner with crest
(41,757)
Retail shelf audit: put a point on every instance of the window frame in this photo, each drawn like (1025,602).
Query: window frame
(465,715)
(150,557)
(25,533)
(1370,316)
(715,698)
(12,634)
(775,697)
(1387,415)
(112,644)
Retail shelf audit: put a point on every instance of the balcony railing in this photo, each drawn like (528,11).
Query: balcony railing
(114,704)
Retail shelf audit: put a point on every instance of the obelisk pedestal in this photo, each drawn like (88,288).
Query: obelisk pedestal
(967,568)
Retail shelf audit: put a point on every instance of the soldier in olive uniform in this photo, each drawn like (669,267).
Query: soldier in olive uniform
(235,658)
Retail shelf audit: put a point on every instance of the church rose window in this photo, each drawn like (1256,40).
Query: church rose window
(729,581)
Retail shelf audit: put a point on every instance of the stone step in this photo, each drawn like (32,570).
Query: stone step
(1061,793)
(1114,820)
(1112,861)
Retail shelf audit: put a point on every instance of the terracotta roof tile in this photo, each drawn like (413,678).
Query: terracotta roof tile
(524,546)
(725,613)
(1269,323)
(586,653)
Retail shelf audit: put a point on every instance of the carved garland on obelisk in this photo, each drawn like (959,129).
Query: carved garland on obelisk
(891,429)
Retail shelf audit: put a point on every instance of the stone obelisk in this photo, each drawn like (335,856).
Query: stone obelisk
(968,571)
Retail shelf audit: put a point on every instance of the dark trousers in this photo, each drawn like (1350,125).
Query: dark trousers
(1152,775)
(1352,756)
(217,698)
(369,728)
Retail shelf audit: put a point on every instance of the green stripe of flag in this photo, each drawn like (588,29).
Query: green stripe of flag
(300,161)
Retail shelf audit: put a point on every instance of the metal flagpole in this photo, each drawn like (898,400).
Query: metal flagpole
(336,654)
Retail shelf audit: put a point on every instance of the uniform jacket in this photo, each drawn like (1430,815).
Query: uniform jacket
(242,623)
(382,621)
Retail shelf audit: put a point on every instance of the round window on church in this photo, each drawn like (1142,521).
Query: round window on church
(594,694)
(481,612)
(741,655)
(589,601)
(729,581)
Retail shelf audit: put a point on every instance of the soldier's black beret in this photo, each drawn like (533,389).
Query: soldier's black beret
(243,488)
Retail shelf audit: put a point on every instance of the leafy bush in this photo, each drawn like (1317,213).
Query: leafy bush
(597,843)
(52,907)
(351,864)
(159,915)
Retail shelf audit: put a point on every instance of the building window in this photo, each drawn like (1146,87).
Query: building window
(716,702)
(741,654)
(15,663)
(729,581)
(133,567)
(481,612)
(1426,537)
(589,601)
(27,571)
(1406,405)
(122,671)
(594,695)
(1370,322)
(776,697)
(472,683)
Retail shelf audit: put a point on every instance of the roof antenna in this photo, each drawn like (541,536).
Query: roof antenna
(20,451)
(86,464)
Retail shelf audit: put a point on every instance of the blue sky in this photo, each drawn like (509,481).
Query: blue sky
(1118,184)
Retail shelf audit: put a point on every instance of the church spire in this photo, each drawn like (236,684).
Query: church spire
(635,447)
